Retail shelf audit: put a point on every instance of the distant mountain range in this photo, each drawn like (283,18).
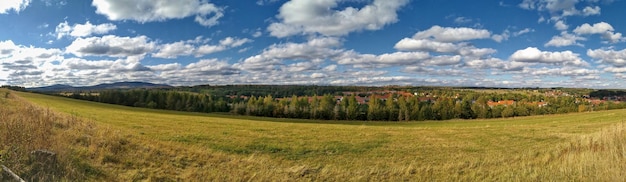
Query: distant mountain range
(118,85)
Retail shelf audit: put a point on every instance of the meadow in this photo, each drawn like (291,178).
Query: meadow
(102,142)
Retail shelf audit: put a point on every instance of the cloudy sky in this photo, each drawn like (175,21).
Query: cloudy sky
(507,43)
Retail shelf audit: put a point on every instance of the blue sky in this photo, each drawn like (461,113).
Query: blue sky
(521,43)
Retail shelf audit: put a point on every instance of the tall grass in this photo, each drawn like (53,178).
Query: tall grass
(99,142)
(599,156)
(26,129)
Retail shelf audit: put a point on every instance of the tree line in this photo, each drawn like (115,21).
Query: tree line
(158,99)
(446,105)
(398,108)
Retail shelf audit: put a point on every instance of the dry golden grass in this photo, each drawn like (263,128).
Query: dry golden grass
(113,143)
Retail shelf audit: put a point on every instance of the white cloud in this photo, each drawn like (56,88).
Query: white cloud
(560,25)
(311,17)
(602,28)
(264,2)
(565,39)
(82,64)
(82,30)
(612,57)
(314,49)
(208,49)
(318,75)
(317,48)
(443,60)
(553,6)
(383,60)
(173,50)
(206,14)
(534,55)
(331,67)
(409,44)
(559,9)
(495,63)
(16,5)
(165,67)
(112,46)
(527,4)
(541,19)
(210,67)
(524,31)
(615,69)
(300,67)
(462,20)
(588,11)
(19,63)
(257,34)
(500,37)
(597,28)
(433,71)
(561,71)
(57,3)
(233,42)
(7,47)
(449,34)
(186,48)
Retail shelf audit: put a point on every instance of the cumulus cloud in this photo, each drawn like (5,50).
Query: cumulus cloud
(534,55)
(615,69)
(316,48)
(602,28)
(444,60)
(449,40)
(7,47)
(383,60)
(566,7)
(409,44)
(111,45)
(82,64)
(173,50)
(322,17)
(609,56)
(561,71)
(82,30)
(450,34)
(208,67)
(588,11)
(165,67)
(501,37)
(193,47)
(597,28)
(565,39)
(559,9)
(19,63)
(206,14)
(495,63)
(560,25)
(16,5)
(433,71)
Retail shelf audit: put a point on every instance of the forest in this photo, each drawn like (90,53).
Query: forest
(367,103)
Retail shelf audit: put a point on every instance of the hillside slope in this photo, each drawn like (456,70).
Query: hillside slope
(154,144)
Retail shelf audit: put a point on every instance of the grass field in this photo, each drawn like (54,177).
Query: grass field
(124,143)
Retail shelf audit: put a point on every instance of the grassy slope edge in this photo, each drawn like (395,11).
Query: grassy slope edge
(135,144)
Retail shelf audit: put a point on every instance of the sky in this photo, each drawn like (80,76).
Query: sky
(486,43)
